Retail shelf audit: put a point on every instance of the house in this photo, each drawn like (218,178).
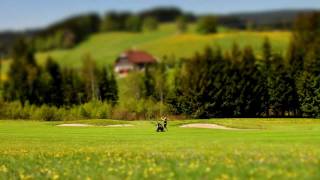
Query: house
(133,60)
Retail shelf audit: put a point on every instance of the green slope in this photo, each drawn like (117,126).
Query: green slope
(105,47)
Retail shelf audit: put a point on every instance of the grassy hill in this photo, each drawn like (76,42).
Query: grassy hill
(105,47)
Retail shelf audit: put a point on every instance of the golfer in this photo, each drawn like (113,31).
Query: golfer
(165,122)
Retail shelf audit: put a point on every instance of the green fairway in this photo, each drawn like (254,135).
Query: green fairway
(263,149)
(106,47)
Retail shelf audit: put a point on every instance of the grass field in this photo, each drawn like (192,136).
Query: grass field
(105,47)
(264,149)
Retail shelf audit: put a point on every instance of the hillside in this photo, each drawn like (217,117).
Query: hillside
(105,47)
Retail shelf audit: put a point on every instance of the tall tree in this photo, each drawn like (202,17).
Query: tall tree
(54,92)
(266,71)
(73,88)
(23,77)
(252,90)
(148,83)
(104,84)
(89,75)
(304,59)
(113,96)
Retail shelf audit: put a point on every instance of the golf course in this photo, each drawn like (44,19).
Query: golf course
(160,90)
(110,149)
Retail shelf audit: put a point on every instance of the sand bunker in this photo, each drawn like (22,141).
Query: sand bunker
(207,126)
(119,125)
(89,125)
(75,125)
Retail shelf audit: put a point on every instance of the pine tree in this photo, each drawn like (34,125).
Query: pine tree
(23,83)
(104,84)
(266,71)
(149,84)
(251,89)
(279,89)
(309,94)
(113,96)
(73,88)
(54,90)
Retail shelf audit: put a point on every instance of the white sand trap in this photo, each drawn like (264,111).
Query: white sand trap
(207,126)
(75,125)
(89,125)
(120,125)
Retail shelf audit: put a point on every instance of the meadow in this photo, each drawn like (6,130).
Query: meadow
(261,149)
(104,48)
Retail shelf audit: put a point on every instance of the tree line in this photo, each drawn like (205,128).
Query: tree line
(68,33)
(55,86)
(237,83)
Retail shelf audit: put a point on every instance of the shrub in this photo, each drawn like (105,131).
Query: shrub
(47,113)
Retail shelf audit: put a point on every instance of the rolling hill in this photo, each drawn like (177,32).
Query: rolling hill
(105,47)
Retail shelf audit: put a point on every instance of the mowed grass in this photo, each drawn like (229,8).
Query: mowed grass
(106,47)
(266,149)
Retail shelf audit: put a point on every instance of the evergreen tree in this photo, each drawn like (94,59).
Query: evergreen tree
(73,88)
(107,86)
(113,96)
(54,92)
(309,94)
(304,61)
(251,89)
(148,83)
(266,71)
(279,89)
(104,84)
(23,83)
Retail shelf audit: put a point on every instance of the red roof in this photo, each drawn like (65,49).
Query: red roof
(139,57)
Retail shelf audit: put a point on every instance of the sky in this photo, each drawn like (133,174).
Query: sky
(26,14)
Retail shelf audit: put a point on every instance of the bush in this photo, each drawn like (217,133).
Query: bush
(15,110)
(131,109)
(47,113)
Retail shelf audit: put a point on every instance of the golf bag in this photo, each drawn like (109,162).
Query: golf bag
(160,128)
